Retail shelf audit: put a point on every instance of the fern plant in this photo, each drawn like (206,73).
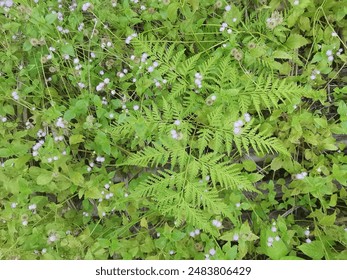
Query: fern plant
(194,136)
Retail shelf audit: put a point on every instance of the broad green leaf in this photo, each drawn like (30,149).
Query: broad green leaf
(103,142)
(44,178)
(314,250)
(68,49)
(75,139)
(328,220)
(76,178)
(296,41)
(249,165)
(172,11)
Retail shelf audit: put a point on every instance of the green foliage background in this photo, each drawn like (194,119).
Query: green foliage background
(137,161)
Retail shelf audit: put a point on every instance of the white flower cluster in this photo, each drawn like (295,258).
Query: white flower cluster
(198,80)
(122,74)
(217,223)
(239,123)
(108,196)
(153,66)
(101,85)
(55,158)
(3,119)
(36,147)
(314,74)
(60,123)
(107,44)
(144,57)
(41,133)
(129,38)
(52,238)
(307,234)
(86,6)
(80,27)
(7,3)
(275,20)
(77,64)
(176,135)
(330,56)
(32,207)
(194,233)
(224,26)
(104,101)
(62,30)
(271,240)
(100,159)
(301,175)
(15,95)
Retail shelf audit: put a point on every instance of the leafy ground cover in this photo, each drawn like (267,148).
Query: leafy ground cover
(173,129)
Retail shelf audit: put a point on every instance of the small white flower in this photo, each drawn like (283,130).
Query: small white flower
(236,237)
(224,24)
(334,34)
(107,80)
(171,252)
(296,2)
(329,52)
(234,19)
(177,122)
(216,223)
(55,158)
(270,239)
(155,64)
(308,240)
(277,238)
(228,8)
(197,231)
(238,204)
(273,229)
(212,252)
(126,195)
(192,234)
(213,97)
(14,205)
(52,238)
(330,58)
(269,244)
(238,123)
(313,77)
(307,232)
(150,69)
(25,223)
(49,160)
(86,6)
(247,117)
(237,130)
(32,207)
(136,107)
(15,95)
(229,31)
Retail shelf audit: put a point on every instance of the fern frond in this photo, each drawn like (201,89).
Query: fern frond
(150,156)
